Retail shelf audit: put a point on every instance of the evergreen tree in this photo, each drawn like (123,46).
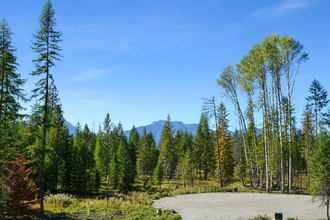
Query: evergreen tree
(146,155)
(225,161)
(318,100)
(133,142)
(308,134)
(126,172)
(114,172)
(320,172)
(154,155)
(106,139)
(34,123)
(178,141)
(198,148)
(55,140)
(208,153)
(85,174)
(76,160)
(10,95)
(186,164)
(167,151)
(67,164)
(10,81)
(46,46)
(22,194)
(100,153)
(117,135)
(184,142)
(203,149)
(226,158)
(54,100)
(158,174)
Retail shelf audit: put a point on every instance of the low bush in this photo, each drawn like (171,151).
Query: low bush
(61,200)
(265,217)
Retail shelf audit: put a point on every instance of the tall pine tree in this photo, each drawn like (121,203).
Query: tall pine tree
(318,100)
(45,44)
(10,81)
(167,150)
(126,172)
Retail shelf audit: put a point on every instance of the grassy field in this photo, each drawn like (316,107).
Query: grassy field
(109,204)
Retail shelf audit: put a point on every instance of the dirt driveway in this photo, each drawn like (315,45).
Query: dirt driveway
(228,206)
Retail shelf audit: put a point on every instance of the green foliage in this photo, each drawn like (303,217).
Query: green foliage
(67,158)
(226,155)
(167,150)
(147,185)
(55,140)
(146,154)
(126,172)
(84,172)
(11,93)
(319,170)
(45,44)
(133,142)
(100,153)
(262,217)
(106,138)
(114,172)
(61,200)
(10,80)
(158,174)
(186,164)
(203,148)
(240,170)
(318,100)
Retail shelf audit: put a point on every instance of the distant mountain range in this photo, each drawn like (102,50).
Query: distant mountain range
(156,128)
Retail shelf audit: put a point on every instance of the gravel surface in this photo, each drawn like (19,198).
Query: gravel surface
(228,206)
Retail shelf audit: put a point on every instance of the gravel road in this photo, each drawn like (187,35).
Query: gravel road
(228,206)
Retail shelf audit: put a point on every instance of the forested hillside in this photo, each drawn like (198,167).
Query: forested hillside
(278,154)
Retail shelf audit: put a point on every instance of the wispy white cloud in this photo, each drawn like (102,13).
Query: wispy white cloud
(91,73)
(129,33)
(282,8)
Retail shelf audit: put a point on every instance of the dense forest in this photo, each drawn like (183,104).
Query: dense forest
(277,155)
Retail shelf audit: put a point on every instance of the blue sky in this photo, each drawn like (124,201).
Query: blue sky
(142,60)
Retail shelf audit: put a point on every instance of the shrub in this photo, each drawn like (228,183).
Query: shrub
(265,217)
(62,200)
